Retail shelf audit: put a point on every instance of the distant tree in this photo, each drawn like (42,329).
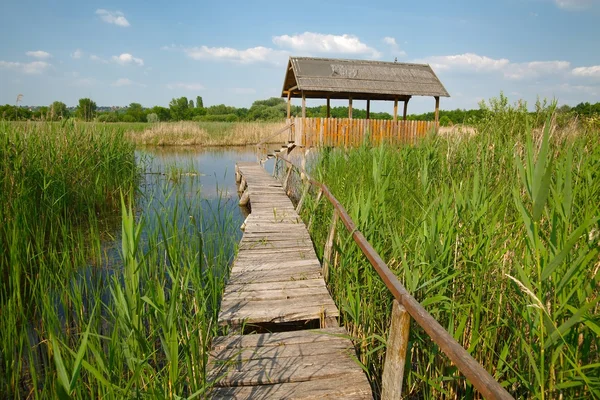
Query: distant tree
(136,111)
(163,113)
(58,110)
(86,109)
(199,103)
(41,113)
(220,109)
(179,108)
(108,117)
(191,104)
(152,118)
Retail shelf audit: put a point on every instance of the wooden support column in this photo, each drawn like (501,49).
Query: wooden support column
(350,107)
(328,250)
(405,109)
(437,114)
(303,105)
(328,107)
(395,353)
(289,105)
(395,109)
(368,109)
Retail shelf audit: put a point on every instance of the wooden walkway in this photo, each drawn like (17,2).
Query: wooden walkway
(276,286)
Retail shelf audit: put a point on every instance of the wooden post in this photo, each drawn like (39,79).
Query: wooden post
(238,175)
(328,107)
(301,201)
(245,198)
(327,251)
(310,220)
(437,114)
(289,108)
(395,109)
(368,109)
(242,185)
(303,105)
(405,109)
(350,107)
(395,353)
(287,178)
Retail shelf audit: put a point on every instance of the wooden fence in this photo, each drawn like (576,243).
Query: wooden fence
(346,132)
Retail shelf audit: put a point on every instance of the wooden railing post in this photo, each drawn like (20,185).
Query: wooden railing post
(301,201)
(395,354)
(287,178)
(310,221)
(328,250)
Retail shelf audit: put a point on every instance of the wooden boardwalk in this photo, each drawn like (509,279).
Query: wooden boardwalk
(276,288)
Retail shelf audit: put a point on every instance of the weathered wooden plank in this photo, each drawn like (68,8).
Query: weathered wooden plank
(275,285)
(276,339)
(256,313)
(339,346)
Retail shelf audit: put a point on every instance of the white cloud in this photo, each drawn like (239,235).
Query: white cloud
(122,82)
(593,71)
(185,86)
(247,56)
(126,59)
(32,68)
(574,4)
(535,69)
(39,54)
(390,41)
(326,43)
(112,17)
(470,62)
(77,54)
(466,61)
(95,58)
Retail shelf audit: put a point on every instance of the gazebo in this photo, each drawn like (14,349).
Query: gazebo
(325,78)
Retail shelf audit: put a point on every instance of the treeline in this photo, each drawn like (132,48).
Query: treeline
(273,109)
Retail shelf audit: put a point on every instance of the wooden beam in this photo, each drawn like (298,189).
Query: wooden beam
(437,114)
(395,353)
(368,109)
(396,109)
(328,107)
(303,105)
(289,106)
(405,109)
(350,107)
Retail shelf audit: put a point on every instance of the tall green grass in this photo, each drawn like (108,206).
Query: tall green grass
(496,234)
(78,322)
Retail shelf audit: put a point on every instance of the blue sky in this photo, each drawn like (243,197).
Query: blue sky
(235,52)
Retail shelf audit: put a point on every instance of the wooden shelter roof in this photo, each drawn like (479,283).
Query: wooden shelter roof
(359,79)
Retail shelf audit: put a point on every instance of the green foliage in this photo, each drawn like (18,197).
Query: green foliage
(164,114)
(108,117)
(220,109)
(86,109)
(199,102)
(152,118)
(179,109)
(57,111)
(75,323)
(136,112)
(495,234)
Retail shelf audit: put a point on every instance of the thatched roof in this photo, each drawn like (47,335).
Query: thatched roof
(359,79)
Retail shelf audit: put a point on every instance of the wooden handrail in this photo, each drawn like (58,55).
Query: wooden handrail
(473,370)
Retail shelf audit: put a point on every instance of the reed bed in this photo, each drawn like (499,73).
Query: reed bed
(187,133)
(497,234)
(78,320)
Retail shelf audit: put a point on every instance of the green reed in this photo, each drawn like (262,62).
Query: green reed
(78,322)
(496,234)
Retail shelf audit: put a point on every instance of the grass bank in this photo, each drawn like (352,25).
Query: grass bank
(496,234)
(187,133)
(78,322)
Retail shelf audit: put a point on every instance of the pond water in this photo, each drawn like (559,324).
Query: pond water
(198,179)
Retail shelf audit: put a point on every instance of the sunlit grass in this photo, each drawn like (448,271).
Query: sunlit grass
(496,234)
